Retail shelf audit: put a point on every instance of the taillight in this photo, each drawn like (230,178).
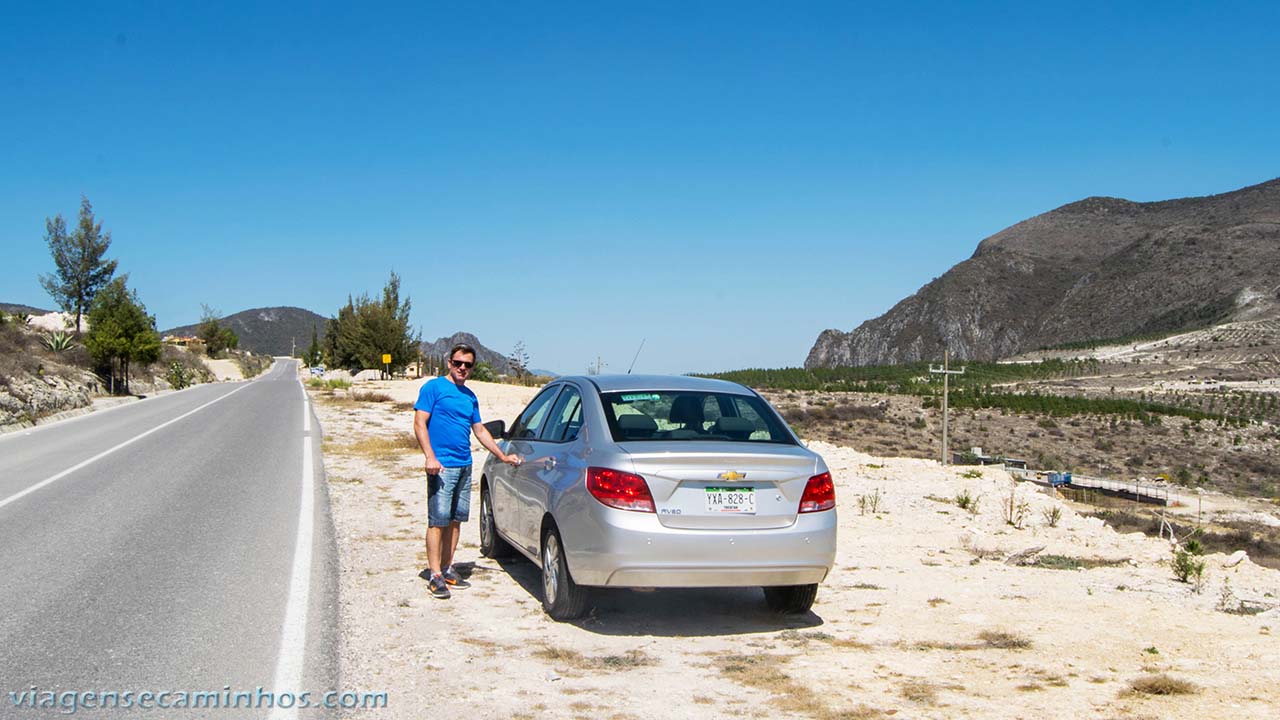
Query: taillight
(618,489)
(819,494)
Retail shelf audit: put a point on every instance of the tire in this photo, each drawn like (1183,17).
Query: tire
(491,543)
(791,599)
(561,596)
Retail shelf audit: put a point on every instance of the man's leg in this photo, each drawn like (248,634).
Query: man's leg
(448,544)
(439,511)
(461,509)
(435,537)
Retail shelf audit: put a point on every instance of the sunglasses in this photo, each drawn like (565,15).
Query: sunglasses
(462,364)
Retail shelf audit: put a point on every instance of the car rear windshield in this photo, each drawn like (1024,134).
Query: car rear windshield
(670,415)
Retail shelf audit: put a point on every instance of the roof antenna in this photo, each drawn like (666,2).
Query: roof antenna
(637,357)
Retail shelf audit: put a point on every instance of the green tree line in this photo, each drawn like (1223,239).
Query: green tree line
(367,328)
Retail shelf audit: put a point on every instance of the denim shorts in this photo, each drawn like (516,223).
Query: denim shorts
(449,496)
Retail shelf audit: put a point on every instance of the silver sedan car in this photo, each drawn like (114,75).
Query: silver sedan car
(656,481)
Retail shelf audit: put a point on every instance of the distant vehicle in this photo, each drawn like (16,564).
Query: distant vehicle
(654,481)
(317,370)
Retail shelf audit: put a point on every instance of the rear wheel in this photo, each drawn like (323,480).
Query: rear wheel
(561,596)
(491,543)
(791,599)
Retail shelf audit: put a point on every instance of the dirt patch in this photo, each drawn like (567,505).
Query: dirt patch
(921,617)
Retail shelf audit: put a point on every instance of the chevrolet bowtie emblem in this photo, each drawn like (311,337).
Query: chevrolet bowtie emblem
(731,475)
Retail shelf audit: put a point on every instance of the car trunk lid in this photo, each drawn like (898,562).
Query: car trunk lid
(724,485)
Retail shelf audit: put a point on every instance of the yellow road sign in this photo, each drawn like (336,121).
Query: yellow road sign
(386,358)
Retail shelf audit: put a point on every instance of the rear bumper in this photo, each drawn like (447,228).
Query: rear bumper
(617,548)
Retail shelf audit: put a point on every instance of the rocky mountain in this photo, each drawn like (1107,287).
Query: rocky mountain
(1098,268)
(441,347)
(268,331)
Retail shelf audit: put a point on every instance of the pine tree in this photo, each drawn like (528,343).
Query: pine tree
(120,331)
(80,269)
(365,329)
(313,350)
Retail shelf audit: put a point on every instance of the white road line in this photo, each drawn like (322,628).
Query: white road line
(104,453)
(293,638)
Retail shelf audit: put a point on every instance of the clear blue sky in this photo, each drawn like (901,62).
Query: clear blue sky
(722,180)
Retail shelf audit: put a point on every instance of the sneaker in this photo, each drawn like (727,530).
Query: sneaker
(439,588)
(454,579)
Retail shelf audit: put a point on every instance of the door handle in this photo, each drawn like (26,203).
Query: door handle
(549,463)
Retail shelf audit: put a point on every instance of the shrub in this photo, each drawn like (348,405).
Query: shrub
(1015,510)
(178,375)
(1187,563)
(1052,515)
(483,372)
(869,503)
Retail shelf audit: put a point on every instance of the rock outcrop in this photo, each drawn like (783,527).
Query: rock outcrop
(23,400)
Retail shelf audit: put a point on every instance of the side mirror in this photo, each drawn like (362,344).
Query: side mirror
(497,428)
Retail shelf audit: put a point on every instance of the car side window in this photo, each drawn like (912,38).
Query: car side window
(566,417)
(526,426)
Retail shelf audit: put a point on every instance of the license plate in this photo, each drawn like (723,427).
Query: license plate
(731,500)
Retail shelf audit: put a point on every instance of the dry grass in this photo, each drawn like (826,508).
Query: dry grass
(378,447)
(375,397)
(919,691)
(764,672)
(800,638)
(998,639)
(574,660)
(1160,684)
(1004,640)
(1030,687)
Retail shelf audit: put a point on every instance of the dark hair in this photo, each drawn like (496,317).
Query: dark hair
(462,348)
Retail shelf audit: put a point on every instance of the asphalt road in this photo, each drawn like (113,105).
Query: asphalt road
(155,547)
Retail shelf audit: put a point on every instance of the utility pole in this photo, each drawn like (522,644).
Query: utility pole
(599,366)
(946,374)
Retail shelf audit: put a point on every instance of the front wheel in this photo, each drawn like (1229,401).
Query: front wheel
(491,543)
(561,596)
(791,599)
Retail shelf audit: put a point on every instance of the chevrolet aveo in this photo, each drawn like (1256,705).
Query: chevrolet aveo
(652,481)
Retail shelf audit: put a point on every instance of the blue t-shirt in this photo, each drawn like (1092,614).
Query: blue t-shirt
(453,411)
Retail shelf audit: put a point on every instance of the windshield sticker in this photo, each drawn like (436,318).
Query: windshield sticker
(638,397)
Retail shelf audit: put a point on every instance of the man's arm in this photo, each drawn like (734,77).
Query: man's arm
(420,419)
(482,434)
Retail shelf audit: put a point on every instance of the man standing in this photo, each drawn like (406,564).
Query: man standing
(446,414)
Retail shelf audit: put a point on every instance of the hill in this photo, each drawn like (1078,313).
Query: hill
(441,346)
(1097,268)
(268,331)
(20,308)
